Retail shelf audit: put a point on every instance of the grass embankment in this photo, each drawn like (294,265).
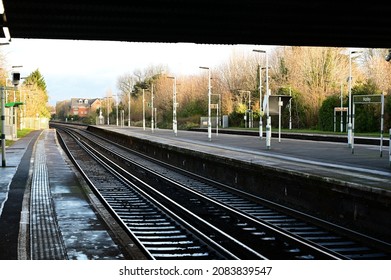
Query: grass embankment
(19,134)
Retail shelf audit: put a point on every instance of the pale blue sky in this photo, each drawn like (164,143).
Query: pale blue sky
(91,68)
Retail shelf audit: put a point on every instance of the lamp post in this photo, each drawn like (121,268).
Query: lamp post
(152,117)
(260,95)
(218,109)
(116,108)
(350,99)
(268,120)
(108,111)
(290,109)
(341,121)
(129,109)
(174,105)
(248,110)
(143,109)
(209,97)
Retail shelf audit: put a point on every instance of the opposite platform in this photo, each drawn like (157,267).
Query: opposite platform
(333,160)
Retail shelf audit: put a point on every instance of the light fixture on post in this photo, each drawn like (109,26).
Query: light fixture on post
(108,105)
(268,120)
(209,97)
(174,105)
(260,95)
(350,98)
(152,116)
(129,108)
(143,109)
(116,108)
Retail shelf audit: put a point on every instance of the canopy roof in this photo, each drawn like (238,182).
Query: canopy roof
(13,104)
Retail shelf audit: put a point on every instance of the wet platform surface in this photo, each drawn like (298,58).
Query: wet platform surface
(59,222)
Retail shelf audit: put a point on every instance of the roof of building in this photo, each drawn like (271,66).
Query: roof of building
(278,22)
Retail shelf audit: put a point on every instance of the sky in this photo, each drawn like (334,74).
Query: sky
(89,69)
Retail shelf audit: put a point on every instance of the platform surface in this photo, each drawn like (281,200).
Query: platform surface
(368,166)
(45,213)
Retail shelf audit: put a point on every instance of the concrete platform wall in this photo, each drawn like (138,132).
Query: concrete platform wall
(357,207)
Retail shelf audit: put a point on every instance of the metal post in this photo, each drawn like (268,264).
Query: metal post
(123,118)
(143,110)
(174,105)
(3,161)
(350,98)
(279,118)
(155,117)
(174,117)
(260,104)
(129,110)
(260,96)
(250,124)
(108,113)
(209,109)
(341,126)
(116,109)
(290,109)
(152,120)
(382,125)
(350,103)
(352,129)
(268,120)
(217,123)
(389,147)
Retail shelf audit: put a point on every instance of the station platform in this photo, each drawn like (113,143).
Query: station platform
(45,213)
(367,167)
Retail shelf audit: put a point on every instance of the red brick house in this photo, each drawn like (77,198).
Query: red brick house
(82,107)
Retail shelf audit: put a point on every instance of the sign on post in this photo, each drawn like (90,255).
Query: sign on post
(341,110)
(369,99)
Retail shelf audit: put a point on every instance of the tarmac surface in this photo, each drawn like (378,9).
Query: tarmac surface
(45,212)
(334,160)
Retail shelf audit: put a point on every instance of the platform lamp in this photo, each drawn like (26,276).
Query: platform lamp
(260,95)
(268,121)
(174,105)
(350,98)
(129,108)
(152,115)
(209,97)
(116,108)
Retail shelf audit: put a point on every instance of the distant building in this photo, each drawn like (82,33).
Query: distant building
(82,107)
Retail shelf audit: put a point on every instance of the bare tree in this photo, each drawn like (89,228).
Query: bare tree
(377,68)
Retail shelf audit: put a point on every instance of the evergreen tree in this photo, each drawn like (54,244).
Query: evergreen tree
(37,98)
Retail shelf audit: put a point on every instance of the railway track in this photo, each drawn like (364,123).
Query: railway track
(247,227)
